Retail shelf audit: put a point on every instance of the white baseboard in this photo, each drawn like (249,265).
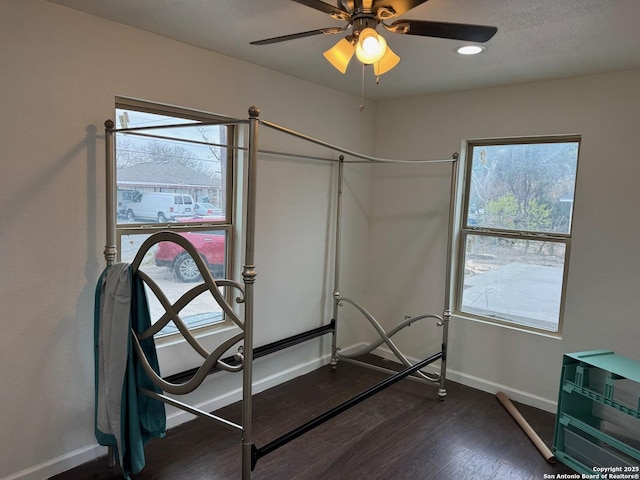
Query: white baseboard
(59,464)
(523,397)
(482,384)
(90,452)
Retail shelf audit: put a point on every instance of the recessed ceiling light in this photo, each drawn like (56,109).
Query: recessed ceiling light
(470,49)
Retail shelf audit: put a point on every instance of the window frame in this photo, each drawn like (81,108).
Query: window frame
(463,230)
(227,226)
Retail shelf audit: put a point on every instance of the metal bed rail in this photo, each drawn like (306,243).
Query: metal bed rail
(259,352)
(258,453)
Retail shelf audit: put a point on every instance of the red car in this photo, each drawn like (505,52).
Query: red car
(212,248)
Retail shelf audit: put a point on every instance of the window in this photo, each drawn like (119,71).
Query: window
(177,177)
(515,231)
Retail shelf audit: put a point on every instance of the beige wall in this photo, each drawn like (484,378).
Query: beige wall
(602,291)
(61,71)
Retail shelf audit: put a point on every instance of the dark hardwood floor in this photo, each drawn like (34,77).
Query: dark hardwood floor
(403,433)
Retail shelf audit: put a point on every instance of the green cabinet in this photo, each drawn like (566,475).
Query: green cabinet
(598,420)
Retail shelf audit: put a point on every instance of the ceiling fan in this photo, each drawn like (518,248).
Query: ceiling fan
(364,16)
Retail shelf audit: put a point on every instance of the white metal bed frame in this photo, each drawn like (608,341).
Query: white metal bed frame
(243,360)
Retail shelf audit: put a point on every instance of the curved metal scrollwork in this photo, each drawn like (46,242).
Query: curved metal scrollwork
(385,337)
(172,313)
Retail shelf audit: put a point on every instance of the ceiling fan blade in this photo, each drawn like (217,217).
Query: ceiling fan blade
(335,12)
(399,6)
(454,31)
(293,36)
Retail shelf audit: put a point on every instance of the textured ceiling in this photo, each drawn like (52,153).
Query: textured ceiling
(536,39)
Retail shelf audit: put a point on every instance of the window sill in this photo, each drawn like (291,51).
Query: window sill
(509,326)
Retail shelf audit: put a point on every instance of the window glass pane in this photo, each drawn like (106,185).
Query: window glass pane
(179,173)
(212,248)
(162,173)
(175,272)
(514,280)
(526,187)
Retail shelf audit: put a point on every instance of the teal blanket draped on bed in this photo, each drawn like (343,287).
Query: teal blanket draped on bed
(125,419)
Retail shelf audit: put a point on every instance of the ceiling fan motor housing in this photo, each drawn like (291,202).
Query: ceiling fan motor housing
(360,22)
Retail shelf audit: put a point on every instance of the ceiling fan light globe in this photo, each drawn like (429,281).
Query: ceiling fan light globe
(371,46)
(340,55)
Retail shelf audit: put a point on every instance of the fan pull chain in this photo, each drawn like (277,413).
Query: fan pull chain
(361,107)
